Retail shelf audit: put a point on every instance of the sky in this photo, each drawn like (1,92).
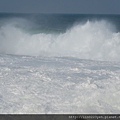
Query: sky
(61,6)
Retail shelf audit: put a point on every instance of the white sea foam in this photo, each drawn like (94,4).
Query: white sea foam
(96,40)
(46,85)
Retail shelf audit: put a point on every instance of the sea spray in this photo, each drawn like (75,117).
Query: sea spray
(96,40)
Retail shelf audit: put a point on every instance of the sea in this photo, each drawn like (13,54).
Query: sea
(59,63)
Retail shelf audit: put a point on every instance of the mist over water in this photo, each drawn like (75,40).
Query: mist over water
(96,40)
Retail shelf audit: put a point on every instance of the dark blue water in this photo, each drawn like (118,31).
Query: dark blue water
(58,22)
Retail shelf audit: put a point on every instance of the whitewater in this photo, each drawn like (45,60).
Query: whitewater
(59,64)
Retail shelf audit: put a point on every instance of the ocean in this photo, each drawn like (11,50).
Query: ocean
(59,63)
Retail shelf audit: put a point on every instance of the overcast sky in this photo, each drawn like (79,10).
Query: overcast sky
(61,6)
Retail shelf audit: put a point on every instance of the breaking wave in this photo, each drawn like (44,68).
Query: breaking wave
(97,40)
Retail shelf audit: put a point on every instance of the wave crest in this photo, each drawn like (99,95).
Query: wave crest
(92,40)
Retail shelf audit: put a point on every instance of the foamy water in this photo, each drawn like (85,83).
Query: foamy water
(58,85)
(59,64)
